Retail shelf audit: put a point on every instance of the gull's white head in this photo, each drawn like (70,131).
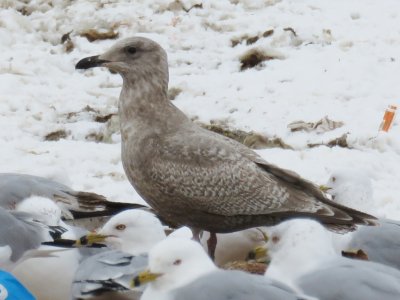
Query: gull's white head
(180,261)
(44,207)
(133,231)
(352,188)
(296,247)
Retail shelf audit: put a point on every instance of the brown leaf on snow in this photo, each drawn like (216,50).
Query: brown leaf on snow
(56,135)
(323,125)
(340,141)
(359,254)
(94,35)
(255,56)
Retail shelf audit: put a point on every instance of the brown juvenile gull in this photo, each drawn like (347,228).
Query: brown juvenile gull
(195,177)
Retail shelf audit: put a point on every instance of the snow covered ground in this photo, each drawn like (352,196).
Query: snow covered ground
(339,59)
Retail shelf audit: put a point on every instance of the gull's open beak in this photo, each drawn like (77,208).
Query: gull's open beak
(264,234)
(143,278)
(258,254)
(90,62)
(90,239)
(324,188)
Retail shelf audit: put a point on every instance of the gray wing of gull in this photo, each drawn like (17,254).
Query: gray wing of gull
(92,209)
(14,188)
(234,285)
(381,243)
(108,271)
(348,279)
(20,233)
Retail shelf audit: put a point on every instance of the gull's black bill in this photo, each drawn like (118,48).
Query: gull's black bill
(66,243)
(90,62)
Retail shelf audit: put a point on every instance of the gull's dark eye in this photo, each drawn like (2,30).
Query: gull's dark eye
(177,262)
(120,227)
(130,49)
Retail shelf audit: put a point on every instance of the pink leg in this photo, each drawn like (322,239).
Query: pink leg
(196,234)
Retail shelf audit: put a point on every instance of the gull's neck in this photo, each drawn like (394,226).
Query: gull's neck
(143,245)
(142,99)
(135,248)
(171,282)
(144,107)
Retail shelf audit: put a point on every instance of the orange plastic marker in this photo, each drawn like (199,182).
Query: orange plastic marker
(388,118)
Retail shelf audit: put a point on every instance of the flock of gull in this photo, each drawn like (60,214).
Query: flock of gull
(222,223)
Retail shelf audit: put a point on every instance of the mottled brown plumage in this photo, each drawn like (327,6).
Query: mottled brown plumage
(195,177)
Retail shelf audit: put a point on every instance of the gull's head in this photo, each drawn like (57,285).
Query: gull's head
(353,188)
(295,236)
(131,57)
(44,207)
(174,262)
(134,231)
(297,246)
